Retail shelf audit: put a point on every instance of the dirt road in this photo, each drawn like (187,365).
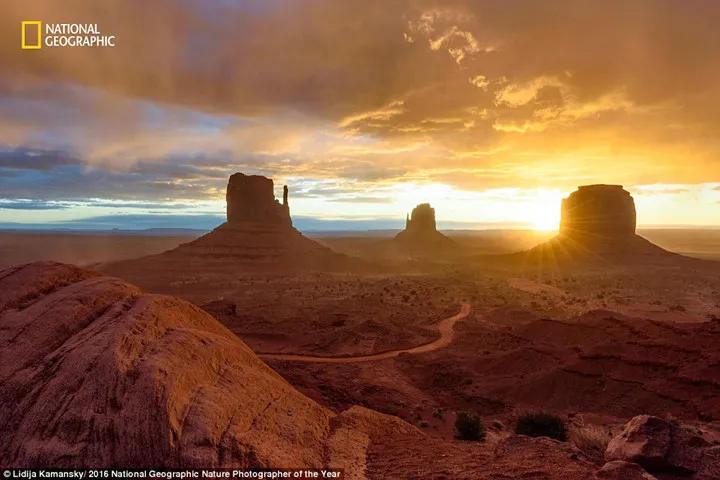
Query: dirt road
(446,336)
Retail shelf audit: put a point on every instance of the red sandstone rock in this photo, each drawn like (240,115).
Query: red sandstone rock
(710,467)
(258,235)
(645,441)
(619,470)
(665,447)
(597,226)
(251,198)
(687,449)
(421,230)
(96,373)
(259,232)
(422,219)
(598,211)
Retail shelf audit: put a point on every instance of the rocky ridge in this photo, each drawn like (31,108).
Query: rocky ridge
(664,448)
(97,373)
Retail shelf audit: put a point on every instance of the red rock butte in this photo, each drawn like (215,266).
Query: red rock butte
(421,229)
(600,211)
(258,235)
(251,198)
(597,225)
(421,220)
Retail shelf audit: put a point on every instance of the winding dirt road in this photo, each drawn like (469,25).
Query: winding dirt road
(446,336)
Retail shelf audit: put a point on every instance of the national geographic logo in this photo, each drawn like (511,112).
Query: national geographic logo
(36,35)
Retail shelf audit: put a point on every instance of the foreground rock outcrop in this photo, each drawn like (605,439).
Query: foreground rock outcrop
(619,470)
(96,373)
(421,231)
(664,447)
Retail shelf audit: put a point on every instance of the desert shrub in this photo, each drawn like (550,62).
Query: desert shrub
(468,426)
(590,439)
(498,425)
(541,424)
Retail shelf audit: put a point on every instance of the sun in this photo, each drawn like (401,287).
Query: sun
(546,211)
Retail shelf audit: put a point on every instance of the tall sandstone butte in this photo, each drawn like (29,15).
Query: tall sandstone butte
(605,211)
(422,220)
(421,230)
(597,224)
(251,198)
(258,235)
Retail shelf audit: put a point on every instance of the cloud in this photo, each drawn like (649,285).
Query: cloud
(659,190)
(31,205)
(475,94)
(33,159)
(363,199)
(126,222)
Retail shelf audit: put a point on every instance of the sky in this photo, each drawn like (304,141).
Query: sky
(490,110)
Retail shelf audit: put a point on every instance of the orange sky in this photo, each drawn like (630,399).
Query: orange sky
(491,111)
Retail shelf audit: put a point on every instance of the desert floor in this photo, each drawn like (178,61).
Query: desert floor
(599,345)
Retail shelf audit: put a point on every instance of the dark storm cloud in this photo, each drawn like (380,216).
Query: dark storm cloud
(490,85)
(341,58)
(35,174)
(34,159)
(77,183)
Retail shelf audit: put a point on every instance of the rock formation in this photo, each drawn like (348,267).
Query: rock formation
(258,234)
(422,220)
(251,198)
(605,211)
(597,225)
(421,231)
(664,447)
(95,373)
(619,470)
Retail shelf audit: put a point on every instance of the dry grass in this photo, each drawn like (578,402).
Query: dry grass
(592,440)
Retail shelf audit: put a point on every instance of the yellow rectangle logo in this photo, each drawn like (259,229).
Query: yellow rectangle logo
(24,43)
